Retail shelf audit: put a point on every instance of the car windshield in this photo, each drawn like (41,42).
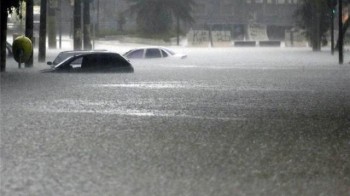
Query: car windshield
(68,59)
(169,51)
(62,56)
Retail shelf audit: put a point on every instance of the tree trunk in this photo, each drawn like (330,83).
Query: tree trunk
(3,33)
(42,33)
(211,36)
(77,34)
(316,34)
(341,33)
(332,32)
(87,26)
(29,28)
(178,31)
(52,26)
(97,26)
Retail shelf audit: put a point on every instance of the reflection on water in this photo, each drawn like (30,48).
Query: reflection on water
(199,86)
(111,108)
(149,85)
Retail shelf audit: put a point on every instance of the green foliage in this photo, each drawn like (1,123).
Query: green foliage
(156,16)
(307,13)
(313,11)
(12,5)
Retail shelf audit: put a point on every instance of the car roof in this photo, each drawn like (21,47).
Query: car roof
(81,51)
(93,53)
(89,54)
(147,47)
(97,52)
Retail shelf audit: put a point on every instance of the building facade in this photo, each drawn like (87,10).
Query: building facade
(238,16)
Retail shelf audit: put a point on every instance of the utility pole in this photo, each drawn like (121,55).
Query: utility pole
(42,32)
(332,4)
(29,28)
(341,39)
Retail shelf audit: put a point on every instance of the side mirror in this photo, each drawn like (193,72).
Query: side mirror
(49,63)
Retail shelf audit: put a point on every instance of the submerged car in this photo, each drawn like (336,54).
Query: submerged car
(152,52)
(94,62)
(66,54)
(9,49)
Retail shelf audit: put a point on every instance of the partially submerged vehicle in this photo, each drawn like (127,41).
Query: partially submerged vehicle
(93,62)
(152,52)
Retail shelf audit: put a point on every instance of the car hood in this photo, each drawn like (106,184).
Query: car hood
(47,70)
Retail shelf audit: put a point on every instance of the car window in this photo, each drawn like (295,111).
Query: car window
(153,53)
(76,63)
(69,65)
(164,53)
(103,61)
(90,61)
(118,61)
(136,54)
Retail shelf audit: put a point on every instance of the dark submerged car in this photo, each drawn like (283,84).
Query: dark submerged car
(94,62)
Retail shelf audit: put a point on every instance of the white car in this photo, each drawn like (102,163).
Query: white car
(152,52)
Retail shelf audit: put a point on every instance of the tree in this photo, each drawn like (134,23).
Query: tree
(121,22)
(324,9)
(151,17)
(313,16)
(6,7)
(155,16)
(181,10)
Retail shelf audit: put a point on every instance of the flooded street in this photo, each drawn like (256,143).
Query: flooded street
(223,121)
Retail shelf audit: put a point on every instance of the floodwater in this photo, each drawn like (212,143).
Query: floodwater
(224,121)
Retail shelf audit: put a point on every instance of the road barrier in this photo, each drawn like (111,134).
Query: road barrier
(245,43)
(270,43)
